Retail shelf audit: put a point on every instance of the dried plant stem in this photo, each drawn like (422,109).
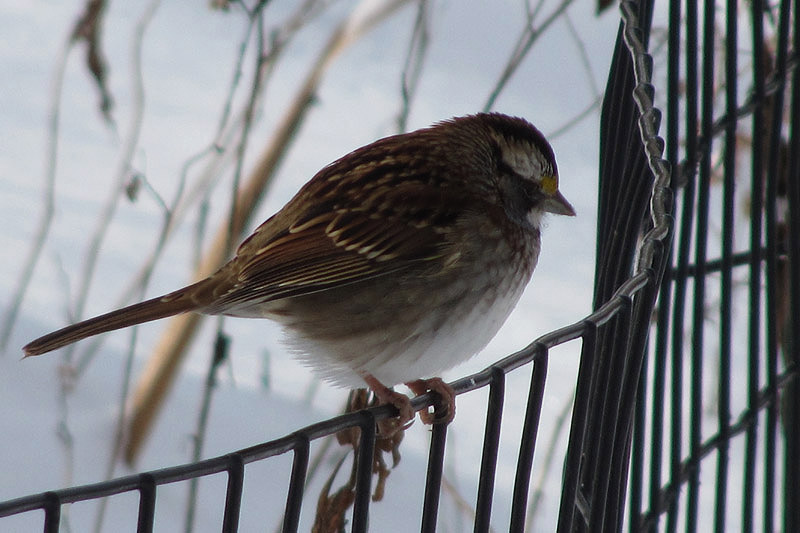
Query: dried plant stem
(139,98)
(48,200)
(222,344)
(458,500)
(218,155)
(122,174)
(591,108)
(43,230)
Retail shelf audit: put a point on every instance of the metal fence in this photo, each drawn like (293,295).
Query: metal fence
(717,408)
(657,408)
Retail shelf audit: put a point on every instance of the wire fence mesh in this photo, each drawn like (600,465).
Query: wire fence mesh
(715,444)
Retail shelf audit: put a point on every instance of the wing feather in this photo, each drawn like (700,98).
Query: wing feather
(344,226)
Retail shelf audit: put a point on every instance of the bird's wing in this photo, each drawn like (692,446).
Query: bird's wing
(331,245)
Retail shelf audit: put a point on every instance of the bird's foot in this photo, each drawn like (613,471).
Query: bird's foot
(445,409)
(386,395)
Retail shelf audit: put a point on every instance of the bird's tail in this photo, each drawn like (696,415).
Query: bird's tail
(174,303)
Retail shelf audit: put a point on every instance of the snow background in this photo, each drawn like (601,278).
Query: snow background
(188,55)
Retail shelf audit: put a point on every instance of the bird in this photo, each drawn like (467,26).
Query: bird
(393,264)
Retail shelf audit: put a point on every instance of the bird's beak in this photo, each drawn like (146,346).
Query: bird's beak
(557,204)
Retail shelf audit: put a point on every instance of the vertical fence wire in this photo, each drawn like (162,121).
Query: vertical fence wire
(491,444)
(233,494)
(569,490)
(686,184)
(530,428)
(726,274)
(363,491)
(772,283)
(297,481)
(791,343)
(147,504)
(52,512)
(755,266)
(433,478)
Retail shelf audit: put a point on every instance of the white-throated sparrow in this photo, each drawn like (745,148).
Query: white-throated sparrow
(393,264)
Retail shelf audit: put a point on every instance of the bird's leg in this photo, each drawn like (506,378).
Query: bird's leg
(387,395)
(446,394)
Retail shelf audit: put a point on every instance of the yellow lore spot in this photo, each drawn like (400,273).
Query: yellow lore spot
(550,184)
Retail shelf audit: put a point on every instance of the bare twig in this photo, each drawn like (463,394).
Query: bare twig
(138,92)
(219,154)
(583,54)
(223,341)
(460,502)
(569,124)
(43,230)
(66,439)
(124,165)
(412,68)
(527,38)
(87,29)
(48,199)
